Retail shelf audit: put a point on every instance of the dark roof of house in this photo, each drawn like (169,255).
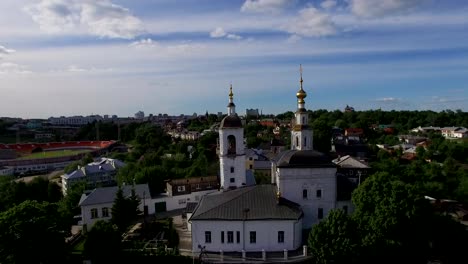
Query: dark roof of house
(107,194)
(248,203)
(350,162)
(231,121)
(190,207)
(303,159)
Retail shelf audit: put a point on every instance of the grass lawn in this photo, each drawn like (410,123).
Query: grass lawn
(53,154)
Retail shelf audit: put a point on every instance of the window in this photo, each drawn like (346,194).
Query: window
(94,213)
(319,193)
(280,236)
(303,120)
(304,194)
(222,236)
(320,213)
(182,201)
(181,188)
(238,237)
(105,212)
(253,237)
(232,169)
(231,144)
(297,141)
(198,187)
(230,236)
(232,180)
(207,236)
(345,209)
(305,142)
(250,166)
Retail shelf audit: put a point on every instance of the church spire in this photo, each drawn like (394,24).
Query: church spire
(231,106)
(301,94)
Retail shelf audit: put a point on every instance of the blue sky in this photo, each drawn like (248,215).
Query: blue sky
(81,57)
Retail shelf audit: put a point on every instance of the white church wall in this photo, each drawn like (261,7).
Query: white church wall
(266,235)
(292,183)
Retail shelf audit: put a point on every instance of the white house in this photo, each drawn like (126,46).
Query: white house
(250,218)
(97,204)
(454,132)
(6,171)
(100,173)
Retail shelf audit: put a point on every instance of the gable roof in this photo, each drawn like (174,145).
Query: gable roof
(107,194)
(350,162)
(248,203)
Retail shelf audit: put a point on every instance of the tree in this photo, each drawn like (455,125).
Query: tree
(124,210)
(32,232)
(335,239)
(392,217)
(103,243)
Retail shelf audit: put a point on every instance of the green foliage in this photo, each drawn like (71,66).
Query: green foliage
(103,243)
(335,239)
(39,189)
(32,232)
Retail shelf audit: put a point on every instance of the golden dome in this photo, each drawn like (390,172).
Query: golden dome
(301,94)
(230,92)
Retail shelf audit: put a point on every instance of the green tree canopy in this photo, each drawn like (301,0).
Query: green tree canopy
(32,232)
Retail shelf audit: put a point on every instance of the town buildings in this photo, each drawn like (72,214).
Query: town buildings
(95,174)
(268,217)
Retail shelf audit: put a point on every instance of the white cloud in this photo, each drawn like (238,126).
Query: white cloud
(74,68)
(143,43)
(106,19)
(294,38)
(54,16)
(264,6)
(377,8)
(311,23)
(233,36)
(218,33)
(4,50)
(388,99)
(9,67)
(100,18)
(328,4)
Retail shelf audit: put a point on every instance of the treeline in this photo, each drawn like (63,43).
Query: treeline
(156,158)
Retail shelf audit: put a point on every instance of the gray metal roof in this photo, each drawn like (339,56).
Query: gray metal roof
(350,162)
(248,203)
(107,194)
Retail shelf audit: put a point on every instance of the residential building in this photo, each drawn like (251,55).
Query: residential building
(454,132)
(97,204)
(95,174)
(252,113)
(139,115)
(6,171)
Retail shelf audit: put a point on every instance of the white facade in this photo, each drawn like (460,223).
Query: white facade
(314,189)
(232,150)
(88,217)
(6,171)
(179,201)
(267,235)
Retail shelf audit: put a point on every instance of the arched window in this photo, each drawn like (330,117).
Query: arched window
(305,141)
(297,141)
(231,144)
(303,120)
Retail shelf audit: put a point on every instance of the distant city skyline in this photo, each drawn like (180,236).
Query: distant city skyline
(83,57)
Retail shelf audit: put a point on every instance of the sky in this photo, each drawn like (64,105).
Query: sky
(83,57)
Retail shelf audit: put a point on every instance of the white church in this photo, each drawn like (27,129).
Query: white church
(266,217)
